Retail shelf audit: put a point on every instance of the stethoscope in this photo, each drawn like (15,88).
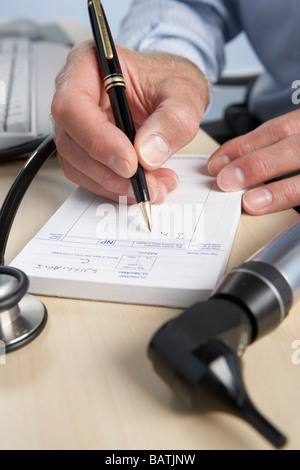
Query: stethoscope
(22,316)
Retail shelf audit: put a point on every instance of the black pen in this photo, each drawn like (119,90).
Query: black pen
(115,87)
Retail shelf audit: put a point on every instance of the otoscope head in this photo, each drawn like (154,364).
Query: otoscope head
(198,354)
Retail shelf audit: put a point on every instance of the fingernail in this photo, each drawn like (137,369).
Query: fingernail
(130,192)
(171,181)
(257,199)
(120,166)
(163,193)
(176,180)
(230,179)
(152,193)
(154,150)
(216,164)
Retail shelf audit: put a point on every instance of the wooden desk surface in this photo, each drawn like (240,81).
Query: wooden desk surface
(86,381)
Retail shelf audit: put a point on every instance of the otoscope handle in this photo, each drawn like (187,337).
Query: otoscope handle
(268,283)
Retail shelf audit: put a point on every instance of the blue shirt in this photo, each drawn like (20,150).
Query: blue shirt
(199,29)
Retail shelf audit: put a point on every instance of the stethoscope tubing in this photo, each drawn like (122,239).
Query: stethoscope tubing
(17,152)
(18,189)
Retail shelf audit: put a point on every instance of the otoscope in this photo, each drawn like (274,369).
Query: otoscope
(199,352)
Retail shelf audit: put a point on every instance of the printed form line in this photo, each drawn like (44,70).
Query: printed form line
(202,210)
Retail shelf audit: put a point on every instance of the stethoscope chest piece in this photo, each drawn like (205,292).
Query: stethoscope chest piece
(22,316)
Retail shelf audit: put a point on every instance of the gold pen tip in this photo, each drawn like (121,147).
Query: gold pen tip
(147,214)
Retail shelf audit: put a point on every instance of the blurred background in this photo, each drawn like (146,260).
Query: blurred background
(241,60)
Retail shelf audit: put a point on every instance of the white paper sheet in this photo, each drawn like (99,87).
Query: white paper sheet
(95,249)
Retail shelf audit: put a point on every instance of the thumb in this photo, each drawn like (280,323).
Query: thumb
(172,125)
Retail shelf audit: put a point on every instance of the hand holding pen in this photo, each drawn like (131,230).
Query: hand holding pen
(94,152)
(115,86)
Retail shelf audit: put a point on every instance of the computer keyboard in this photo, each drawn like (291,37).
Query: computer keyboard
(27,82)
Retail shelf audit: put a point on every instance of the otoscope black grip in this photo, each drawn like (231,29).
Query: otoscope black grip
(175,348)
(260,290)
(268,283)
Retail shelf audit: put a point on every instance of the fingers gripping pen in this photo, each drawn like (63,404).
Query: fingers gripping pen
(199,352)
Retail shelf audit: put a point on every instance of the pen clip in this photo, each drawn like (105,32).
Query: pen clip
(108,50)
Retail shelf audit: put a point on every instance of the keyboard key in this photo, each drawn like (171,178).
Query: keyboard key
(18,108)
(6,61)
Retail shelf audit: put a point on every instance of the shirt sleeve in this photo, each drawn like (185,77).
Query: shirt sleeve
(196,30)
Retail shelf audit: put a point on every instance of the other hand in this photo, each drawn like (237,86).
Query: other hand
(267,153)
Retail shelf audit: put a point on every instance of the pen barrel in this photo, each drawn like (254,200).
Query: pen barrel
(139,186)
(123,120)
(121,111)
(109,61)
(114,85)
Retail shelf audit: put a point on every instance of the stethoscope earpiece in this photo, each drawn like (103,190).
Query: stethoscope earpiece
(22,316)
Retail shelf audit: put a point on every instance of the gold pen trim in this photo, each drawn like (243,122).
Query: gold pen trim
(102,28)
(114,80)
